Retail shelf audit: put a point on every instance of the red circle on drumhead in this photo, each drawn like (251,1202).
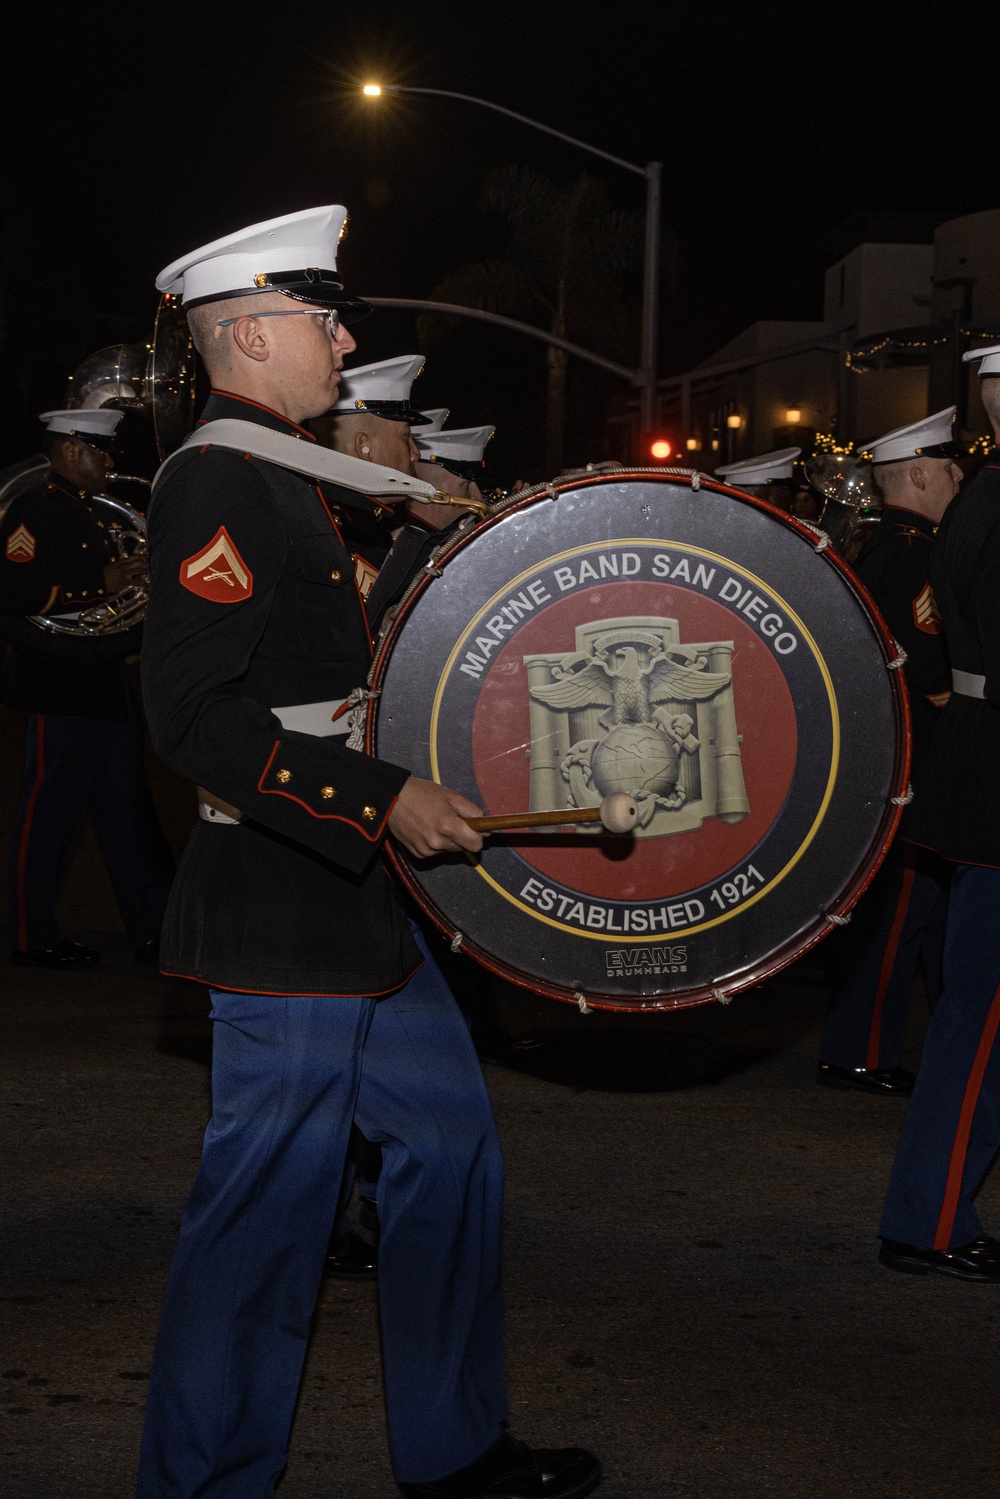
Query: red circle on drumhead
(652,867)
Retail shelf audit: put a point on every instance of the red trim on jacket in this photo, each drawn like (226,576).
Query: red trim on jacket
(296,993)
(228,395)
(372,837)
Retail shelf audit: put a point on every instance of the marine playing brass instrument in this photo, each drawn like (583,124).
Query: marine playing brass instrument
(157,380)
(851,503)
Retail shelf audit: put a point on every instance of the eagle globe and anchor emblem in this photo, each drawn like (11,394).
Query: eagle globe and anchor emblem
(633,709)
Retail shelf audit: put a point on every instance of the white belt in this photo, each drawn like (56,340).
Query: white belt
(302,718)
(968,683)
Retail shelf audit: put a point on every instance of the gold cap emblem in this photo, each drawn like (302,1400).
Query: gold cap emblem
(284,776)
(260,279)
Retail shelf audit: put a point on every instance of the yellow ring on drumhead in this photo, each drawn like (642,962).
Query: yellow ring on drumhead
(681,546)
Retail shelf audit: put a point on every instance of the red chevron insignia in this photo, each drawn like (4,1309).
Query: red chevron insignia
(218,573)
(21,545)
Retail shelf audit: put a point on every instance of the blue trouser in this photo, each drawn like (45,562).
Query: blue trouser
(901,918)
(951,1132)
(288,1078)
(72,766)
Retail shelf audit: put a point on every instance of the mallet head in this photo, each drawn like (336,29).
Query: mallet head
(619,812)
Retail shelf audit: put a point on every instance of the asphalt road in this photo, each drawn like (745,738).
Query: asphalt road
(690,1249)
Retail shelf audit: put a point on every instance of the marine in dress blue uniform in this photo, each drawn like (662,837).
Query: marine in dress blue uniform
(903,916)
(952,1128)
(326,1007)
(84,741)
(372,420)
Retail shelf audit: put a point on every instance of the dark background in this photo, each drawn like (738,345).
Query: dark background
(136,132)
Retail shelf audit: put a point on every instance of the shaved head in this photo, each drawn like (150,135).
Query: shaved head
(989,390)
(215,344)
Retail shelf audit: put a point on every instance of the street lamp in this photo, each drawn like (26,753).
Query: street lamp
(645,375)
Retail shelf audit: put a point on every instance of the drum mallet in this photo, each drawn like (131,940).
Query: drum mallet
(618,812)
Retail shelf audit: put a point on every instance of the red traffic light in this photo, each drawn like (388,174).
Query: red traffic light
(660,448)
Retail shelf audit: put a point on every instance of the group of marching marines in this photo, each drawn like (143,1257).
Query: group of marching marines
(269,572)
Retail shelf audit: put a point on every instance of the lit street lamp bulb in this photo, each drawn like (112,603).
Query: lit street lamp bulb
(372,90)
(793,416)
(734,420)
(661,448)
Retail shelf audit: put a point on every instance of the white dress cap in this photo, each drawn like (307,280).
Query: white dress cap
(436,418)
(990,357)
(760,470)
(930,438)
(459,445)
(295,254)
(95,425)
(383,389)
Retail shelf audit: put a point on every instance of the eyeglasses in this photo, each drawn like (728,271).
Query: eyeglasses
(329,316)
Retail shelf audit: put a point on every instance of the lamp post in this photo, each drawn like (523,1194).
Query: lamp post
(645,375)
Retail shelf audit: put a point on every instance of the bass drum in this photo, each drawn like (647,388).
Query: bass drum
(660,634)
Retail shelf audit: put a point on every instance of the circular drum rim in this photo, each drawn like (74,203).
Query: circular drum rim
(782,957)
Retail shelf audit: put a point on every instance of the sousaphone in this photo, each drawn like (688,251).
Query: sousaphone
(157,380)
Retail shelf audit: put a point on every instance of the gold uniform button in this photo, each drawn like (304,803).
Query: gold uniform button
(369,814)
(326,792)
(335,575)
(284,776)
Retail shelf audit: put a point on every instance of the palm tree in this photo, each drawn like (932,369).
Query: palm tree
(568,253)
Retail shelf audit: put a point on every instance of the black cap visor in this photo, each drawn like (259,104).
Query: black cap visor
(321,288)
(469,469)
(391,411)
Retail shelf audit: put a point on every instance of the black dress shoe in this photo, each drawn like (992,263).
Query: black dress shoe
(890,1082)
(349,1257)
(66,955)
(511,1470)
(149,952)
(979,1260)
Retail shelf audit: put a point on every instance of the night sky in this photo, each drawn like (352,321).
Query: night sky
(137,132)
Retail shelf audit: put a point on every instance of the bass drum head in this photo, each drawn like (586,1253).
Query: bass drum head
(679,641)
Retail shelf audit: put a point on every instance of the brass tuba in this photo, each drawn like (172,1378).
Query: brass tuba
(157,380)
(851,503)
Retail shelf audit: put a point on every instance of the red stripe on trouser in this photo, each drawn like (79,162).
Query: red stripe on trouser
(888,962)
(956,1166)
(22,852)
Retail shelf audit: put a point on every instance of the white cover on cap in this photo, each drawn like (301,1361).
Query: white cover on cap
(296,241)
(990,357)
(101,420)
(908,442)
(460,444)
(760,470)
(389,380)
(436,419)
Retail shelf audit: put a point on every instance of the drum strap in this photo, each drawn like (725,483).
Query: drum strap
(309,458)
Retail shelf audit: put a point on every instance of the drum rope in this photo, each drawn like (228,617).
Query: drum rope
(903,801)
(836,920)
(900,660)
(456,941)
(722,996)
(580,997)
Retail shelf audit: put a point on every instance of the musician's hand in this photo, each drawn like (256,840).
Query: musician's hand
(125,572)
(519,485)
(429,819)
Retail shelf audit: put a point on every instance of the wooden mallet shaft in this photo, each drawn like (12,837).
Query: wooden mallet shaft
(618,812)
(533,819)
